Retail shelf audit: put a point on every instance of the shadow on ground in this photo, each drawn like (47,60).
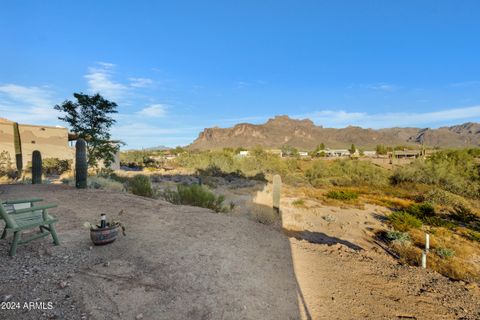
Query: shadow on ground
(176,262)
(319,238)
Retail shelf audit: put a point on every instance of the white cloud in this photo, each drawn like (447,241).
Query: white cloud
(154,111)
(27,104)
(383,87)
(140,82)
(472,83)
(99,79)
(340,118)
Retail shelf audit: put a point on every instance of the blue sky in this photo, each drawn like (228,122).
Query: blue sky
(176,67)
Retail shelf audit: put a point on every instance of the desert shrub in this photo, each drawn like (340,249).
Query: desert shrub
(474,236)
(422,211)
(446,199)
(403,221)
(345,173)
(343,195)
(463,214)
(119,178)
(195,195)
(142,159)
(427,214)
(298,203)
(141,185)
(258,164)
(211,170)
(407,252)
(55,166)
(455,171)
(444,253)
(6,169)
(104,184)
(397,236)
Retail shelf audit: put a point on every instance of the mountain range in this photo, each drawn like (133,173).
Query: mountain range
(304,134)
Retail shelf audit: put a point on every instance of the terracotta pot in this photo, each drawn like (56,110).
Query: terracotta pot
(104,236)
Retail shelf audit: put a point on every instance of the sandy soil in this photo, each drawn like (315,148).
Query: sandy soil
(180,262)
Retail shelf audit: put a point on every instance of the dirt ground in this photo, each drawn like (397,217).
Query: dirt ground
(180,262)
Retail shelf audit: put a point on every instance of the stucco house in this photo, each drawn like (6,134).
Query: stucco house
(52,142)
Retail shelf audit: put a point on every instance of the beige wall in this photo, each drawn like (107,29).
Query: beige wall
(6,140)
(52,142)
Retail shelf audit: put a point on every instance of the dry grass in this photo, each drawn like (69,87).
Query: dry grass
(461,266)
(299,203)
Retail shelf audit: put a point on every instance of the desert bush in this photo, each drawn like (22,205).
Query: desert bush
(423,211)
(195,195)
(6,169)
(55,166)
(407,252)
(455,171)
(473,235)
(463,214)
(397,236)
(141,185)
(257,165)
(427,214)
(104,184)
(444,253)
(343,195)
(298,203)
(119,178)
(403,221)
(345,173)
(444,198)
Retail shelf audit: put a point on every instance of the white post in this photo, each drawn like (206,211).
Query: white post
(427,242)
(424,259)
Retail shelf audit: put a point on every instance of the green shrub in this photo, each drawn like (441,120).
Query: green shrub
(298,203)
(403,221)
(446,199)
(422,211)
(55,166)
(121,179)
(426,213)
(195,195)
(398,236)
(95,182)
(342,195)
(141,185)
(474,236)
(444,253)
(345,173)
(463,214)
(6,169)
(456,171)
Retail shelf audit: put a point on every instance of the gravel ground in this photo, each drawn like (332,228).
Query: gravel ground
(180,262)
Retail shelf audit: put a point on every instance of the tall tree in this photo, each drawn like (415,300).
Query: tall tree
(90,118)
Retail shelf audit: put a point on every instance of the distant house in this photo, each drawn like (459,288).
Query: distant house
(405,154)
(335,152)
(303,153)
(370,154)
(244,153)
